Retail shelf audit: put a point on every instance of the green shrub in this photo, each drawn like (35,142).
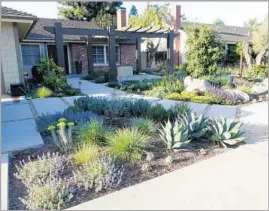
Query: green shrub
(100,79)
(175,135)
(94,132)
(85,153)
(158,91)
(40,170)
(157,113)
(56,82)
(203,99)
(180,109)
(99,174)
(140,107)
(258,70)
(220,80)
(63,137)
(245,89)
(145,126)
(225,131)
(184,95)
(182,66)
(50,196)
(42,92)
(128,144)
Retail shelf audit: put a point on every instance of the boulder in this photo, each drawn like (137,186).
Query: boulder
(192,84)
(241,95)
(265,83)
(259,89)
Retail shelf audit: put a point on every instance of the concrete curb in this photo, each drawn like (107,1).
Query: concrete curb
(4,181)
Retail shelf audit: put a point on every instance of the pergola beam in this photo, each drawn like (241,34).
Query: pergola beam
(144,29)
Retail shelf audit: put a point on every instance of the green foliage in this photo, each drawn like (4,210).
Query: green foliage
(225,131)
(99,174)
(259,36)
(40,170)
(85,153)
(197,125)
(184,95)
(218,22)
(180,109)
(175,135)
(182,66)
(50,196)
(258,70)
(94,132)
(157,113)
(128,144)
(219,80)
(203,99)
(145,126)
(101,79)
(63,137)
(42,92)
(133,11)
(245,89)
(205,50)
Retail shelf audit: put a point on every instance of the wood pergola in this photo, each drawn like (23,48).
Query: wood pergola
(127,32)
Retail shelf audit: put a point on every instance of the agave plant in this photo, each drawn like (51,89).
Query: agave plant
(197,125)
(226,131)
(175,135)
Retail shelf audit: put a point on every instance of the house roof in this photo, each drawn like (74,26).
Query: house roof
(7,12)
(227,33)
(37,32)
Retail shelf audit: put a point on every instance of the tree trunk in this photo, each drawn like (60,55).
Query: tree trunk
(241,66)
(152,51)
(259,57)
(247,55)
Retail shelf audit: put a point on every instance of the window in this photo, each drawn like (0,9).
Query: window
(30,54)
(117,54)
(101,55)
(98,54)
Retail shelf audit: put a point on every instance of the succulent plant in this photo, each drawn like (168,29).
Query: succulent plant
(225,131)
(175,135)
(197,125)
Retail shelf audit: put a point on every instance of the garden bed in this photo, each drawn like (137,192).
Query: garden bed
(99,146)
(134,174)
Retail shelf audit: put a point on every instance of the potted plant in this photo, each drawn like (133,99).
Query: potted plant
(78,63)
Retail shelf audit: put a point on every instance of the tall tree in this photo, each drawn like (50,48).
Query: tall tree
(155,16)
(86,11)
(251,23)
(218,22)
(205,50)
(133,11)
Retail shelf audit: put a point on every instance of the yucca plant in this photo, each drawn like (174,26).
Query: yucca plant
(197,125)
(176,135)
(225,131)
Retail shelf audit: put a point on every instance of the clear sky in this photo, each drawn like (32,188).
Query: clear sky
(232,13)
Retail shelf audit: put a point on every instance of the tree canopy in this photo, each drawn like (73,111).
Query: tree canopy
(133,11)
(251,23)
(155,16)
(205,50)
(103,12)
(218,22)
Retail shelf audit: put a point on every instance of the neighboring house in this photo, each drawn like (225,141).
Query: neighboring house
(24,42)
(230,35)
(14,25)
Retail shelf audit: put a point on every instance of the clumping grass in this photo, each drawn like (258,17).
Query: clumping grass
(245,89)
(94,132)
(85,153)
(42,92)
(146,126)
(128,144)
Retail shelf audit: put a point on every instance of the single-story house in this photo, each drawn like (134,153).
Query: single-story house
(26,45)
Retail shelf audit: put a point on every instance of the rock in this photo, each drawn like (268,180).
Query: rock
(254,101)
(259,89)
(241,95)
(72,190)
(145,167)
(265,83)
(149,156)
(203,151)
(192,84)
(169,159)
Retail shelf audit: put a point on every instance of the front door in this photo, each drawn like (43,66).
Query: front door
(53,55)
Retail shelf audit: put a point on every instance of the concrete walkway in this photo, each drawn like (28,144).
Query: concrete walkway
(237,179)
(100,90)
